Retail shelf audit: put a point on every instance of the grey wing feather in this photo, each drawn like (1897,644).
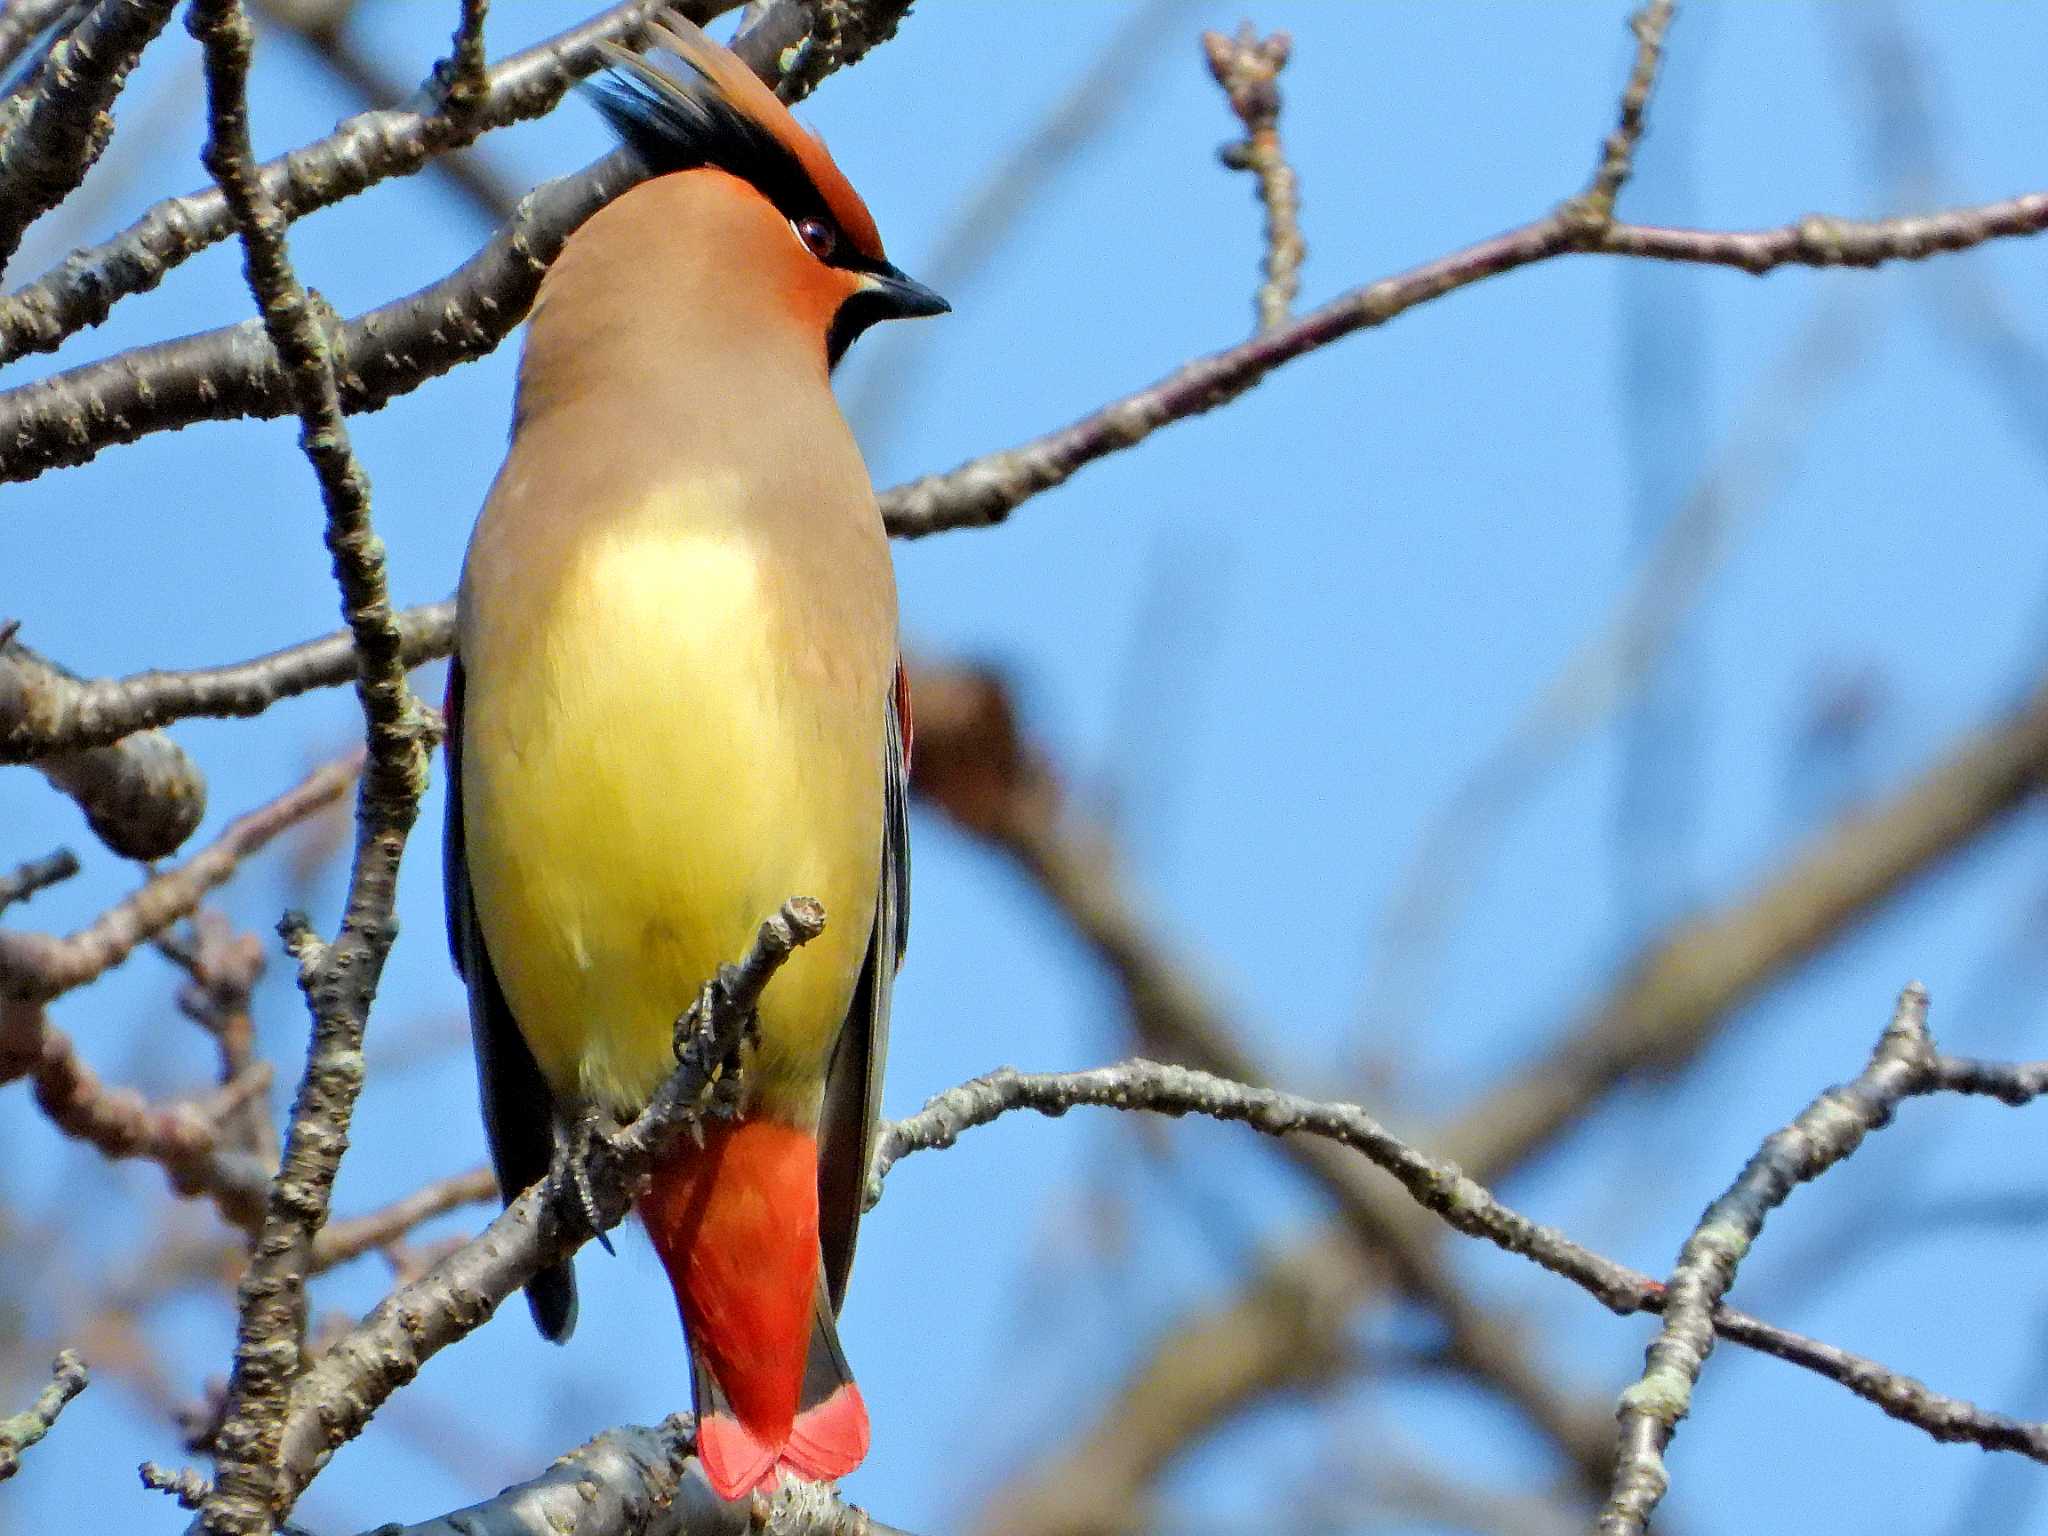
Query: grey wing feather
(519,1111)
(853,1083)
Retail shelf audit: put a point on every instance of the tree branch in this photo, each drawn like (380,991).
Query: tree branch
(340,1241)
(36,967)
(142,796)
(228,374)
(1906,1067)
(49,142)
(971,763)
(339,980)
(37,875)
(1284,1326)
(1830,1129)
(1617,155)
(639,1481)
(46,710)
(367,149)
(188,1139)
(22,1430)
(1248,69)
(337,1395)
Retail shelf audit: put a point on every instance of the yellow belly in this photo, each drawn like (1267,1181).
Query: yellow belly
(652,764)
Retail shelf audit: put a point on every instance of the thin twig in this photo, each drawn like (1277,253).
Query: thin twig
(46,149)
(367,149)
(224,967)
(1671,999)
(1829,1129)
(1248,68)
(37,875)
(1441,1186)
(339,980)
(142,796)
(48,710)
(69,417)
(1617,155)
(337,1395)
(188,1486)
(971,763)
(362,70)
(37,967)
(186,1139)
(468,71)
(22,1430)
(340,1241)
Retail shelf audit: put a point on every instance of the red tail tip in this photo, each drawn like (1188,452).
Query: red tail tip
(829,1440)
(825,1443)
(734,1462)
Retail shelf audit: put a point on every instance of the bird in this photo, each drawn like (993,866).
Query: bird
(677,700)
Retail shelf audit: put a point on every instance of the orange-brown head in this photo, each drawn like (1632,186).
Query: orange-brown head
(766,199)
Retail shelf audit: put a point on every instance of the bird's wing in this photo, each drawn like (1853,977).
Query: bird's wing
(519,1112)
(853,1085)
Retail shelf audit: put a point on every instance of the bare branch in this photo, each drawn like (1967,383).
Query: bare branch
(1281,1330)
(986,490)
(841,33)
(24,1429)
(37,875)
(225,966)
(1617,155)
(36,967)
(1439,1185)
(2011,1083)
(365,150)
(45,710)
(468,76)
(340,1241)
(142,797)
(1248,69)
(23,23)
(187,1139)
(339,980)
(971,763)
(228,374)
(52,141)
(186,1485)
(1829,1129)
(362,71)
(337,1395)
(639,1480)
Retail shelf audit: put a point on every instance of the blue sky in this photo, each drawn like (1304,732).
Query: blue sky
(1269,646)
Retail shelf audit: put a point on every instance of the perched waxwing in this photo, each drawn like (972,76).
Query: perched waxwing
(676,702)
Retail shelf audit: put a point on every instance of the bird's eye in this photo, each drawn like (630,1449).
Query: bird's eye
(819,237)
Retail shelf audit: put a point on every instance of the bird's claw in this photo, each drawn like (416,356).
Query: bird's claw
(721,1077)
(582,1135)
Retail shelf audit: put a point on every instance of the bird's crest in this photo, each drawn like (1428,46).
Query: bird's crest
(715,112)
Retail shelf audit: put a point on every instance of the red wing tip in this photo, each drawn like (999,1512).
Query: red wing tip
(829,1440)
(734,1462)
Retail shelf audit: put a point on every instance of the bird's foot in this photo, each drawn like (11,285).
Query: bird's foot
(583,1137)
(696,1046)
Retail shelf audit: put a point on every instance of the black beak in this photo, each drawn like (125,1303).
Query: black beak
(884,294)
(902,297)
